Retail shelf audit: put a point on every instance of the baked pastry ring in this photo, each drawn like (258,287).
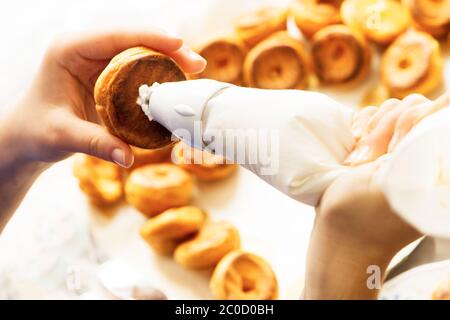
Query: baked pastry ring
(430,16)
(340,55)
(279,62)
(100,180)
(313,15)
(413,63)
(150,156)
(209,168)
(225,57)
(254,27)
(206,249)
(243,276)
(117,89)
(442,292)
(381,21)
(155,188)
(167,230)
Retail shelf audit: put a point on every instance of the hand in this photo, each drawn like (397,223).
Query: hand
(355,228)
(379,130)
(57,116)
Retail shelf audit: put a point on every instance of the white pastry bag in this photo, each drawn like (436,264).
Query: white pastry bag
(297,141)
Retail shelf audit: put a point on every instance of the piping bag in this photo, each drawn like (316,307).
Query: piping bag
(297,141)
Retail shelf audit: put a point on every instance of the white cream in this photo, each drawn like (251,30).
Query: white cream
(145,92)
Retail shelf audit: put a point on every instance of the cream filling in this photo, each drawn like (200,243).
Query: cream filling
(145,93)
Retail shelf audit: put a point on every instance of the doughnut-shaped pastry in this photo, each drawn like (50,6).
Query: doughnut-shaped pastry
(313,15)
(279,62)
(100,180)
(155,188)
(243,276)
(413,63)
(340,56)
(442,292)
(206,249)
(150,156)
(167,230)
(253,27)
(431,16)
(225,57)
(204,165)
(117,90)
(381,21)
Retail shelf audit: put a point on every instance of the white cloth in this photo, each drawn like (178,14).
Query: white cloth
(310,136)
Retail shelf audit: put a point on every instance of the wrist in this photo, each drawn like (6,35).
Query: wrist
(17,152)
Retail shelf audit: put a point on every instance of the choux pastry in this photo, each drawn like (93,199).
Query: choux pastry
(340,56)
(442,292)
(413,63)
(381,21)
(254,27)
(150,156)
(313,15)
(205,250)
(225,57)
(155,188)
(167,230)
(100,180)
(243,276)
(279,62)
(204,165)
(431,16)
(117,90)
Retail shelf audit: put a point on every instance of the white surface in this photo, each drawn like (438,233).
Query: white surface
(271,224)
(418,283)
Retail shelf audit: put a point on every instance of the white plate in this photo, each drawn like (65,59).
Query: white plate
(418,283)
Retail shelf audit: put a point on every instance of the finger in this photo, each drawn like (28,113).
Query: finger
(104,45)
(92,139)
(386,107)
(415,99)
(377,142)
(360,121)
(188,60)
(417,114)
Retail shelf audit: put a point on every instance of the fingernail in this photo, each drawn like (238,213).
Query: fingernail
(195,56)
(118,156)
(170,33)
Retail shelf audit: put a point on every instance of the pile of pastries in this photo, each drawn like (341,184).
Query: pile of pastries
(335,45)
(160,185)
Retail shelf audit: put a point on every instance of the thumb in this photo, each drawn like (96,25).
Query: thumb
(96,141)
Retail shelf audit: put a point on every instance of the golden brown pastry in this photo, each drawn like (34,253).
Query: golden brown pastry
(442,292)
(225,57)
(375,95)
(254,27)
(150,156)
(202,164)
(340,56)
(431,16)
(100,180)
(279,62)
(116,93)
(313,15)
(413,63)
(243,276)
(381,21)
(205,250)
(167,230)
(155,188)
